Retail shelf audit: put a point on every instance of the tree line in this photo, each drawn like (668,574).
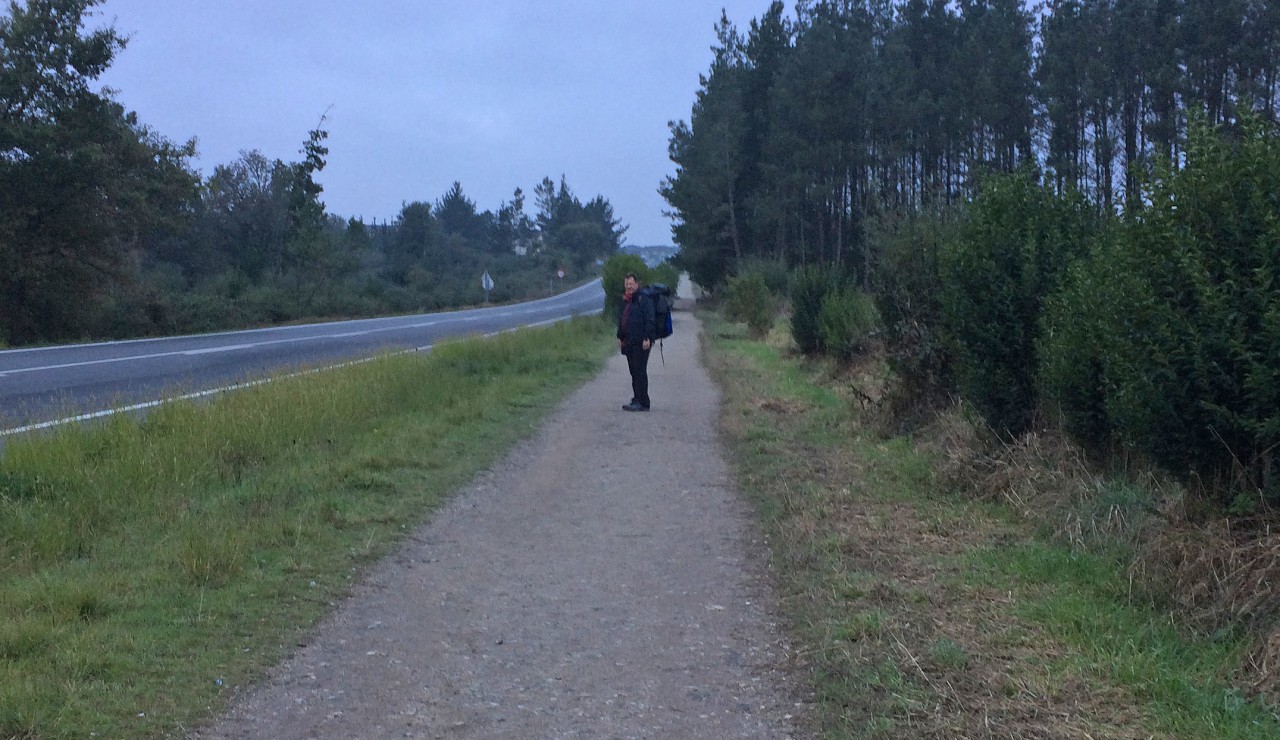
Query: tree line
(1065,217)
(107,230)
(805,128)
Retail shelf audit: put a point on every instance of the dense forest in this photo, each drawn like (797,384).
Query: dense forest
(107,230)
(1064,215)
(804,129)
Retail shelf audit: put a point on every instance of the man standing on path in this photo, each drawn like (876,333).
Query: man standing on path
(637,330)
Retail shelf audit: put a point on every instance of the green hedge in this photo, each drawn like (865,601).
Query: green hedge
(1071,349)
(1009,256)
(667,274)
(848,320)
(1181,321)
(907,287)
(747,300)
(809,286)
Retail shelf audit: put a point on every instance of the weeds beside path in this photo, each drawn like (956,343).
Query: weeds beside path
(923,614)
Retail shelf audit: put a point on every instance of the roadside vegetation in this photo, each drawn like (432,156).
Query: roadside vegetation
(108,231)
(1022,479)
(1028,261)
(151,568)
(931,596)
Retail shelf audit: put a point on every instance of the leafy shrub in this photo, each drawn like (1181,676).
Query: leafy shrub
(908,291)
(1190,352)
(343,301)
(774,272)
(270,304)
(847,320)
(667,274)
(747,300)
(809,286)
(130,313)
(1009,255)
(1074,333)
(615,274)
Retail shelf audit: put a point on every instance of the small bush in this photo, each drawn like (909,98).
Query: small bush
(667,274)
(1071,348)
(748,301)
(615,274)
(847,320)
(775,273)
(1009,256)
(809,286)
(908,291)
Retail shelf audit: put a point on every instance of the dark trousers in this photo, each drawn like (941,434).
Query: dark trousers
(638,364)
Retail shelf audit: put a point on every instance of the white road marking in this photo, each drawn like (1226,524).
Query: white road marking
(227,348)
(214,350)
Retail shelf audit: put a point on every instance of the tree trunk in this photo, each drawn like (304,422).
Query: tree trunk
(733,226)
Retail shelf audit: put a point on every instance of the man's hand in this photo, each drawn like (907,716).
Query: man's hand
(646,344)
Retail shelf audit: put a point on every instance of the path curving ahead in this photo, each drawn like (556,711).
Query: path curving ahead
(604,581)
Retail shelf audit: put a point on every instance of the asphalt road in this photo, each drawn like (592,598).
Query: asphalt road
(46,384)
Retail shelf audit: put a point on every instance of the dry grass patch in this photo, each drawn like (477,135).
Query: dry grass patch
(901,643)
(1211,577)
(784,407)
(1217,578)
(977,668)
(1261,666)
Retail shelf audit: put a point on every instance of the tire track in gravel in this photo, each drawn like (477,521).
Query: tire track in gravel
(605,580)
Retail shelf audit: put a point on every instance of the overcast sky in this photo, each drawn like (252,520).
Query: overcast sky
(495,94)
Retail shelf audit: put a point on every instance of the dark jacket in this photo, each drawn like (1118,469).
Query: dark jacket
(636,323)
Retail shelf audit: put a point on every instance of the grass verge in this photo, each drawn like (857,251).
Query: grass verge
(149,568)
(923,613)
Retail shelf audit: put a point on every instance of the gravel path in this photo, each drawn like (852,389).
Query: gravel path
(604,581)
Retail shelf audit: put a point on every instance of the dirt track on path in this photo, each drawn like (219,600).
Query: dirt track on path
(604,581)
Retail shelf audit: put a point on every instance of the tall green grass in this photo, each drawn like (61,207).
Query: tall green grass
(149,567)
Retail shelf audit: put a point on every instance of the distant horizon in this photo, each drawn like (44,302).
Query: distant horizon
(625,247)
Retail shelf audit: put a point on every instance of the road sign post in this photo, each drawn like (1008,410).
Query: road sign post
(486,282)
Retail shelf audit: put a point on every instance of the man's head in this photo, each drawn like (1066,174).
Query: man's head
(630,284)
